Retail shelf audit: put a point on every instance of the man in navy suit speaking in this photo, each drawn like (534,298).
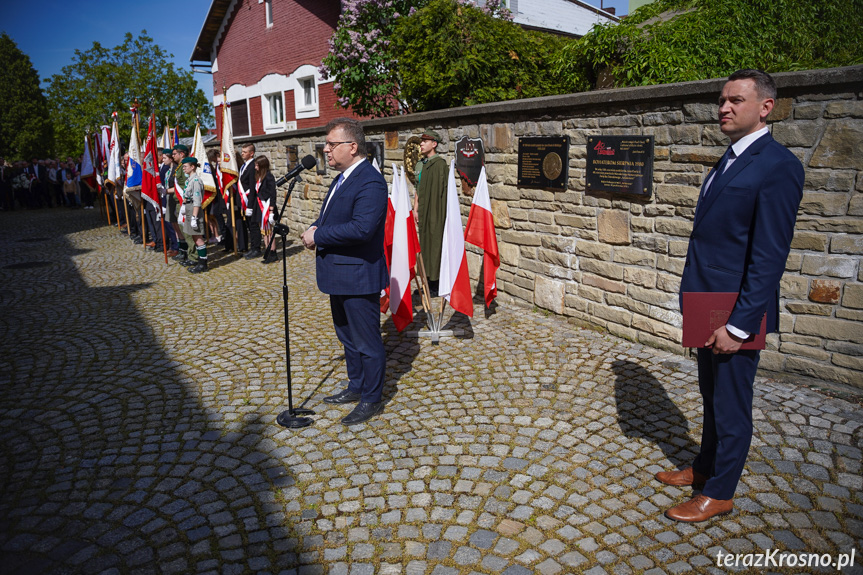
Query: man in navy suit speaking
(348,237)
(740,239)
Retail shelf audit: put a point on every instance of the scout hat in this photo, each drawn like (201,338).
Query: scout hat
(431,135)
(189,161)
(183,148)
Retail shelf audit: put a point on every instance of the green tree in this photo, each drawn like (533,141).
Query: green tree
(452,54)
(681,40)
(361,60)
(103,80)
(25,127)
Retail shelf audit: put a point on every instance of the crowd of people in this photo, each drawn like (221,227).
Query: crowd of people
(43,184)
(192,218)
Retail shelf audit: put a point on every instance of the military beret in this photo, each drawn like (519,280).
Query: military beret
(182,147)
(189,161)
(166,150)
(431,135)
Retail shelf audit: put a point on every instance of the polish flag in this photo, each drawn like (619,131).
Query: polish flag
(405,246)
(454,278)
(480,232)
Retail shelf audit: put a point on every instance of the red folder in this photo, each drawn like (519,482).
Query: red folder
(705,312)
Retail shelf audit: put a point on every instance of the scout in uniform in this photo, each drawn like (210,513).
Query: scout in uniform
(177,182)
(193,223)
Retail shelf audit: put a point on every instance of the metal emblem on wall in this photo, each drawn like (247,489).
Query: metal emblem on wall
(620,164)
(412,157)
(543,162)
(375,151)
(469,159)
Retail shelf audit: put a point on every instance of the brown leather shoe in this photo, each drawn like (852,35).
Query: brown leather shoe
(172,253)
(700,508)
(682,477)
(151,244)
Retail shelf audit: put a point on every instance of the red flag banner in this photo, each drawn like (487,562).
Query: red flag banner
(480,232)
(149,170)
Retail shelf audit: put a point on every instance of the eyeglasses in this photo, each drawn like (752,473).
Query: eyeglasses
(333,145)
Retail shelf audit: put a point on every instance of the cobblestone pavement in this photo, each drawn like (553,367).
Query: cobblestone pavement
(138,436)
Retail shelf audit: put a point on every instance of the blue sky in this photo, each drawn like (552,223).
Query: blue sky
(49,31)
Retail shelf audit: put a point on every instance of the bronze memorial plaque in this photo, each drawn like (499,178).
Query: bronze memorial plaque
(543,162)
(621,164)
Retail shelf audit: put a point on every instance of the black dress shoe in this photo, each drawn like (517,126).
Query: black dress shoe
(363,412)
(253,254)
(344,396)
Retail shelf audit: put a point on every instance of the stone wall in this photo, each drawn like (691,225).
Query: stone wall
(614,261)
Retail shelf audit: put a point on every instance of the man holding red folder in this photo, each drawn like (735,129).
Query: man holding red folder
(744,222)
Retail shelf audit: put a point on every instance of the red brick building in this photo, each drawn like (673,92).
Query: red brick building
(266,53)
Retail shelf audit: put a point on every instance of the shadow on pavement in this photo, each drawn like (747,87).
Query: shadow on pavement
(110,459)
(644,411)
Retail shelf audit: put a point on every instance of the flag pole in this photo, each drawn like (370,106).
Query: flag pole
(143,221)
(159,213)
(426,294)
(230,192)
(114,185)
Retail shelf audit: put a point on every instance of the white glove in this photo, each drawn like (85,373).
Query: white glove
(272,219)
(195,224)
(249,212)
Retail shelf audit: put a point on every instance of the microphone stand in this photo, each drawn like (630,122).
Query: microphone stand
(292,417)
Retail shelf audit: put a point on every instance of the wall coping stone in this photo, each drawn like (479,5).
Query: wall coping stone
(797,81)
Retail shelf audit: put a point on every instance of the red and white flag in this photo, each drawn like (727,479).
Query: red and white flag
(88,170)
(480,232)
(454,277)
(228,161)
(405,246)
(149,169)
(206,171)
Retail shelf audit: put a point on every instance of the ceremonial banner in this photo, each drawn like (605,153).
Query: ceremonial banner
(115,170)
(480,232)
(228,161)
(150,174)
(405,247)
(454,277)
(104,150)
(205,171)
(133,170)
(88,172)
(166,143)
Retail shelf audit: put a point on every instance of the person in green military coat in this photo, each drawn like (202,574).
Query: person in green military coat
(193,222)
(430,205)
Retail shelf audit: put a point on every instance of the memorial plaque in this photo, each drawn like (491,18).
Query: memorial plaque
(321,158)
(293,154)
(543,162)
(375,151)
(620,164)
(469,159)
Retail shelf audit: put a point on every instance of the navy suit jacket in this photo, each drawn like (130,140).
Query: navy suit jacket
(350,235)
(742,232)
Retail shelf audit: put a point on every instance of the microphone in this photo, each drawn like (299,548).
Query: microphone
(306,163)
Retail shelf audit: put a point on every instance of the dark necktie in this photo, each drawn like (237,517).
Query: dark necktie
(720,169)
(339,181)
